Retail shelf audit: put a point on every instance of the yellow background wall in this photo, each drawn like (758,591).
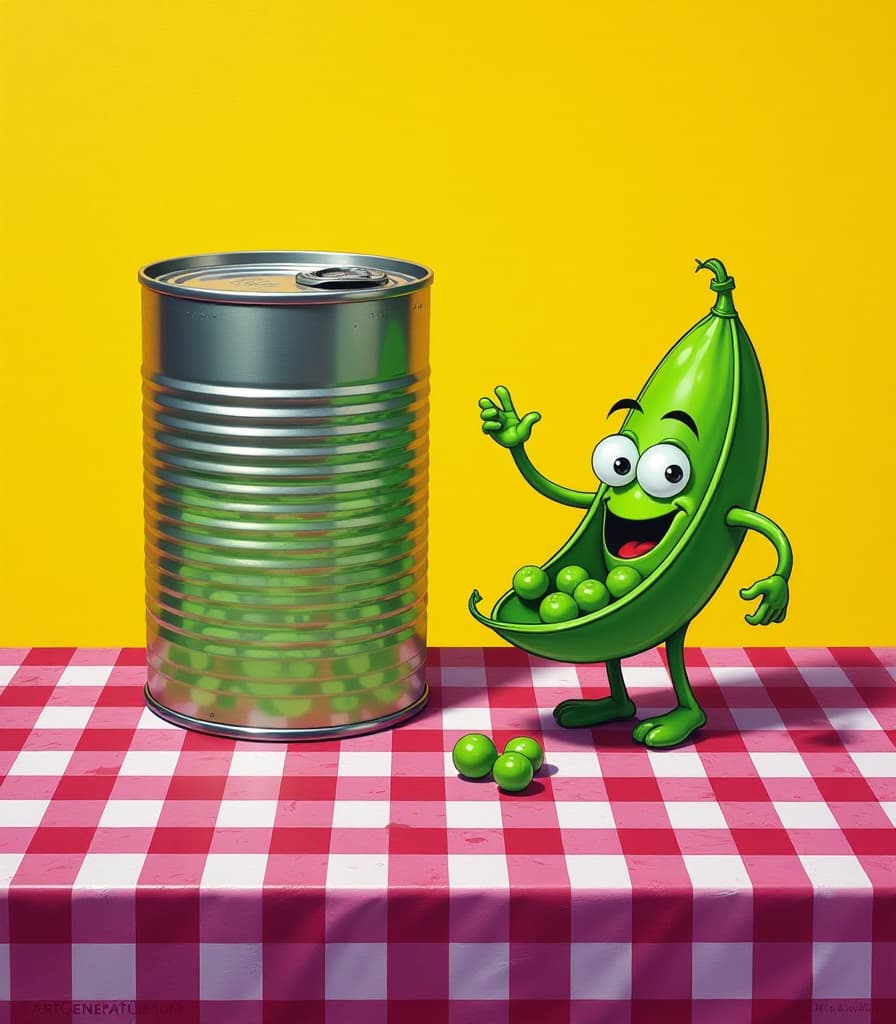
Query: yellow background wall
(560,165)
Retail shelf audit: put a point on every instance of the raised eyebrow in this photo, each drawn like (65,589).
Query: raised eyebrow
(625,403)
(682,417)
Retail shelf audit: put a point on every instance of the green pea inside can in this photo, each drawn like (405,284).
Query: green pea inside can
(261,459)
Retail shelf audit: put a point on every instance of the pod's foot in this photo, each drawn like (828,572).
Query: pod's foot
(574,714)
(670,729)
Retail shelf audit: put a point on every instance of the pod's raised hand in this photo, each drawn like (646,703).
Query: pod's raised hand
(773,606)
(501,421)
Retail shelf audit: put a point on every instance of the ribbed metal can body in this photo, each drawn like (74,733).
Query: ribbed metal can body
(285,492)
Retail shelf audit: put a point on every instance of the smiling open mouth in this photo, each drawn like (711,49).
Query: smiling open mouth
(631,538)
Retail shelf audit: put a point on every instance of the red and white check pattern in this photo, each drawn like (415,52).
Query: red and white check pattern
(153,874)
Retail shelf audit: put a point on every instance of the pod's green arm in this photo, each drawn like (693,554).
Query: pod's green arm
(773,589)
(563,495)
(504,425)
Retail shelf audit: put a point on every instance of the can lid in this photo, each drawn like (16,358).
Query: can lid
(284,277)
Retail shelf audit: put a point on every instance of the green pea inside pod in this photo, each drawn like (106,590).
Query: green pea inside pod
(558,607)
(591,596)
(570,577)
(622,579)
(530,582)
(692,445)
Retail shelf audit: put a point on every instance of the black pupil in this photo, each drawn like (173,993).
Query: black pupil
(674,474)
(622,466)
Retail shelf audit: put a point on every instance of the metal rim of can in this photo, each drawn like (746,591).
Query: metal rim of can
(248,732)
(171,277)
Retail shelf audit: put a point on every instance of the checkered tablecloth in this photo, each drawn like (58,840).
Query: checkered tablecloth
(153,874)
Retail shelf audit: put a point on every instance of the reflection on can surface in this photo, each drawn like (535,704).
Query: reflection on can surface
(285,453)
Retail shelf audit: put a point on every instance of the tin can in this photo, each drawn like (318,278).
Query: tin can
(285,422)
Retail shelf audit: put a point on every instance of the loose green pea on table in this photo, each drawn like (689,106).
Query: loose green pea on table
(475,756)
(513,772)
(528,747)
(679,483)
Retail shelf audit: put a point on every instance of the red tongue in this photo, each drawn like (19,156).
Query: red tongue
(634,548)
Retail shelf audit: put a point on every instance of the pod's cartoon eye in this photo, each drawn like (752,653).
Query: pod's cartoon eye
(664,471)
(615,460)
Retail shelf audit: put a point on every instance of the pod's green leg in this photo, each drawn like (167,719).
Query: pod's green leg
(573,714)
(674,727)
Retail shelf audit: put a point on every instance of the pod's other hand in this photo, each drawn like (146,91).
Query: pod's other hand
(501,421)
(773,606)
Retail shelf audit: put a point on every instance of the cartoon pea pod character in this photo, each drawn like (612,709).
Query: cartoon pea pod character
(679,484)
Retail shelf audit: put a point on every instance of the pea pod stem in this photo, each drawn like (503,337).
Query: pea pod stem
(722,284)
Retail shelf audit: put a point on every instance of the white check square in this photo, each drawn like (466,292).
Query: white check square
(149,762)
(131,814)
(6,674)
(478,971)
(757,719)
(646,677)
(365,764)
(477,871)
(150,720)
(560,677)
(780,765)
(600,970)
(357,871)
(546,720)
(110,871)
(841,970)
(85,675)
(584,814)
(41,762)
(246,814)
(889,808)
(467,719)
(9,865)
(722,970)
(805,814)
(22,813)
(60,717)
(824,677)
(695,814)
(361,814)
(834,872)
(574,764)
(717,872)
(103,970)
(355,971)
(473,814)
(234,871)
(847,719)
(597,871)
(230,971)
(740,675)
(875,766)
(258,763)
(672,764)
(468,676)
